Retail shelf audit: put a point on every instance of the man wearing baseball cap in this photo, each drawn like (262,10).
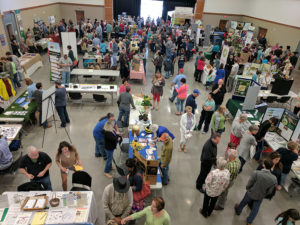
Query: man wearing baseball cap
(191,100)
(166,156)
(176,82)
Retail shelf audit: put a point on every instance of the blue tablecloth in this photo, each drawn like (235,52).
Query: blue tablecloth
(143,151)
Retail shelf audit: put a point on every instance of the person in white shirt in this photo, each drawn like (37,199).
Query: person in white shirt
(231,78)
(265,81)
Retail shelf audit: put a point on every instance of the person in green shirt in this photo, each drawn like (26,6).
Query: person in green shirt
(166,156)
(155,214)
(14,72)
(117,30)
(218,121)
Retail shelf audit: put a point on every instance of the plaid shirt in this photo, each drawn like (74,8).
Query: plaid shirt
(234,168)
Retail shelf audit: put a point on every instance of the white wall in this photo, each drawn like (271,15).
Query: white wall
(6,5)
(281,11)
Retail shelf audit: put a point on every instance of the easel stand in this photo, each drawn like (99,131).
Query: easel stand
(54,120)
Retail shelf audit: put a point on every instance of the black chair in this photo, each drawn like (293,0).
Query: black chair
(31,186)
(284,100)
(99,98)
(81,181)
(75,97)
(271,99)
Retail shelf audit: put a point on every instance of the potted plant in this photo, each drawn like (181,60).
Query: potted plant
(146,103)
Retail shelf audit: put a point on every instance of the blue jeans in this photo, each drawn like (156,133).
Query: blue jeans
(283,177)
(259,148)
(16,81)
(6,165)
(63,115)
(180,65)
(165,174)
(179,103)
(216,107)
(99,148)
(20,76)
(124,111)
(45,182)
(167,74)
(243,161)
(110,154)
(65,77)
(255,207)
(174,95)
(218,132)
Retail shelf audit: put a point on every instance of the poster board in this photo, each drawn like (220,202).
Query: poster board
(241,87)
(224,55)
(288,124)
(47,94)
(69,38)
(296,134)
(273,112)
(249,36)
(251,97)
(54,54)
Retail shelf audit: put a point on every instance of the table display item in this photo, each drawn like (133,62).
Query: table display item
(34,203)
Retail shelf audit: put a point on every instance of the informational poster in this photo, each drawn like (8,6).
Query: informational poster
(241,87)
(224,55)
(273,112)
(18,15)
(296,134)
(249,36)
(69,38)
(54,54)
(48,105)
(288,124)
(51,19)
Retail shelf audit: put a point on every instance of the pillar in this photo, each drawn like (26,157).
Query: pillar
(199,7)
(109,13)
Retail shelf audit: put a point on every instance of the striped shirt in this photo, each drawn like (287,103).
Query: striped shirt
(234,168)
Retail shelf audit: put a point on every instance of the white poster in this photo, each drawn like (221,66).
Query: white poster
(69,38)
(224,55)
(48,106)
(249,36)
(251,98)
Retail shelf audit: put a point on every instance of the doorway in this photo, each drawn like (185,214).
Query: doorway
(222,25)
(262,32)
(79,16)
(10,24)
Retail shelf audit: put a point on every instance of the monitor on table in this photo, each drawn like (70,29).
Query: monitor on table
(281,86)
(288,124)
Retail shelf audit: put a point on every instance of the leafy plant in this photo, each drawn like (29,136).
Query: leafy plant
(146,101)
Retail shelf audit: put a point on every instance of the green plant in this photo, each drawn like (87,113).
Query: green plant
(146,101)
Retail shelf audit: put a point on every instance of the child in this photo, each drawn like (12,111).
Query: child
(209,79)
(168,67)
(229,146)
(245,145)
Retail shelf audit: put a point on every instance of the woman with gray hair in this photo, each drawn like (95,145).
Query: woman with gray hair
(215,183)
(111,139)
(237,129)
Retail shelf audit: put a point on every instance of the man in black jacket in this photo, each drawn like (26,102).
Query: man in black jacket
(191,100)
(263,129)
(219,91)
(208,159)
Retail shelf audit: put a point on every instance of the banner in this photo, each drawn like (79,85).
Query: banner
(224,55)
(18,15)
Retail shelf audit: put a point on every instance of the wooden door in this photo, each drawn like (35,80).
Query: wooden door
(222,25)
(262,32)
(79,16)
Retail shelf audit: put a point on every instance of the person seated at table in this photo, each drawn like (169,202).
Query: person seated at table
(66,158)
(96,41)
(103,47)
(98,51)
(84,46)
(157,131)
(35,165)
(31,88)
(123,86)
(113,62)
(31,45)
(6,158)
(265,81)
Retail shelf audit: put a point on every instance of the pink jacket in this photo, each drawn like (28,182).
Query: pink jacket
(123,89)
(182,91)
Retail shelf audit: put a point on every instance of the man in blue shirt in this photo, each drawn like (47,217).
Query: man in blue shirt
(103,47)
(96,41)
(31,87)
(6,158)
(176,82)
(61,104)
(98,136)
(99,31)
(158,131)
(191,100)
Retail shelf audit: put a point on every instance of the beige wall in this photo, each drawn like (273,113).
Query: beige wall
(282,34)
(27,15)
(92,12)
(5,48)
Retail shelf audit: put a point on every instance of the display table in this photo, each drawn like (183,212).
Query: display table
(234,105)
(10,131)
(140,75)
(30,62)
(43,43)
(134,114)
(94,89)
(144,153)
(207,55)
(17,111)
(274,140)
(96,73)
(71,210)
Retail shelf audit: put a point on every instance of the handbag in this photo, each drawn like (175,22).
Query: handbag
(144,193)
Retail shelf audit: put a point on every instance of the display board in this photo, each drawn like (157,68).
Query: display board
(54,54)
(48,105)
(224,55)
(296,134)
(288,124)
(251,97)
(241,87)
(69,38)
(273,112)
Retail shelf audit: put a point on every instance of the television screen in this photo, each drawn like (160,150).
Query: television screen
(282,86)
(288,124)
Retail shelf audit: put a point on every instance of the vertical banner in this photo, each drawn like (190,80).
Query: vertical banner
(54,54)
(207,35)
(18,15)
(224,55)
(69,38)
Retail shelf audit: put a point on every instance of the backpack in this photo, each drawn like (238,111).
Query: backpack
(200,64)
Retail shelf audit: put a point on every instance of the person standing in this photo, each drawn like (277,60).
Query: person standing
(65,62)
(157,90)
(124,69)
(199,69)
(173,58)
(218,91)
(35,165)
(218,121)
(108,29)
(237,129)
(168,67)
(191,100)
(261,185)
(176,84)
(288,156)
(31,87)
(231,77)
(111,138)
(228,67)
(208,159)
(181,96)
(207,111)
(6,158)
(215,183)
(124,102)
(181,59)
(16,61)
(166,156)
(244,147)
(99,31)
(13,72)
(117,200)
(158,131)
(61,104)
(187,124)
(71,54)
(66,158)
(220,74)
(233,166)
